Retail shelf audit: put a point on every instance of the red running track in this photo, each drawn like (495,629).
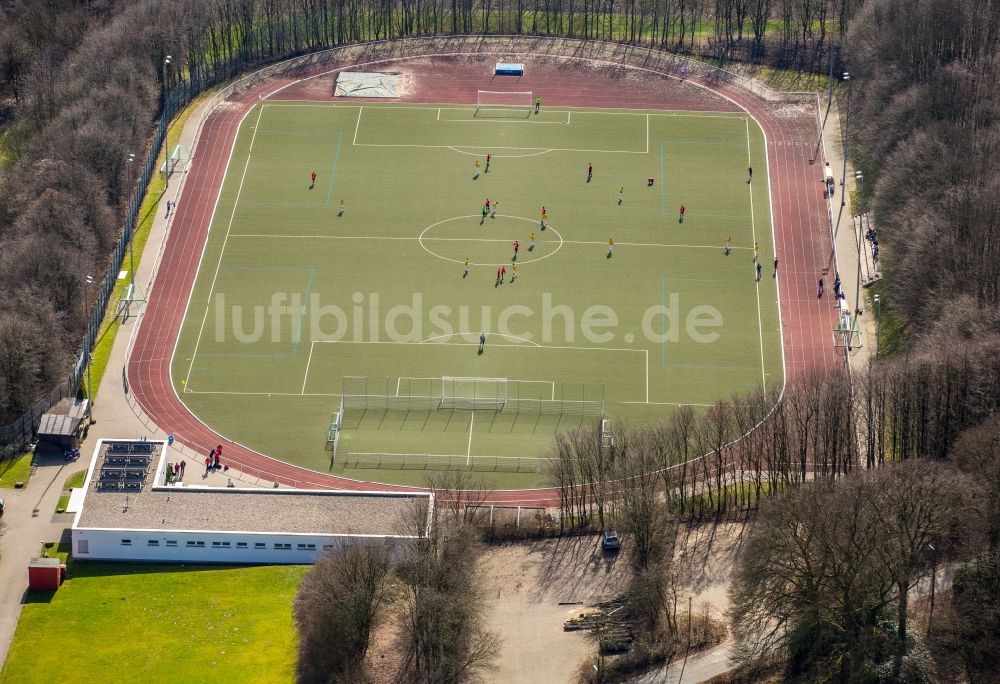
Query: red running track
(802,238)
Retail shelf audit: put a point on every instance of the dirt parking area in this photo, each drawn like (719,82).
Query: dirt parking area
(533,587)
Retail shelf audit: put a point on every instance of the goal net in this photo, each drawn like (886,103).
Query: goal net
(473,393)
(501,100)
(441,393)
(179,156)
(333,432)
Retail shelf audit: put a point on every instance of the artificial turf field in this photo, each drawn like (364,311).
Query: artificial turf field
(291,298)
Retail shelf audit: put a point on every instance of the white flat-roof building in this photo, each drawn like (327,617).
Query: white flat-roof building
(130,512)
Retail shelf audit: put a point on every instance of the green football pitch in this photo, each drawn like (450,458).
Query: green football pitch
(297,302)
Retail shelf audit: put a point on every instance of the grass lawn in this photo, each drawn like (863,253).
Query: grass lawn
(151,623)
(150,205)
(15,470)
(62,503)
(75,481)
(892,333)
(295,304)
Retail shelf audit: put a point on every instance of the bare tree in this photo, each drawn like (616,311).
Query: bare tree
(340,601)
(444,610)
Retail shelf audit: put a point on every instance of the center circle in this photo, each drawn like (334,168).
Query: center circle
(491,237)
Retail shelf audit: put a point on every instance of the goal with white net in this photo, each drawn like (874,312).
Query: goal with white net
(448,393)
(473,394)
(503,100)
(177,157)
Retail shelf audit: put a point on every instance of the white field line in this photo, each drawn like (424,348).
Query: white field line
(687,113)
(753,227)
(330,394)
(357,126)
(647,375)
(265,394)
(468,450)
(647,134)
(452,456)
(476,344)
(495,147)
(312,345)
(505,121)
(443,239)
(659,403)
(222,251)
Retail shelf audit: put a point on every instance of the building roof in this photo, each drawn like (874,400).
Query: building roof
(64,418)
(53,424)
(270,511)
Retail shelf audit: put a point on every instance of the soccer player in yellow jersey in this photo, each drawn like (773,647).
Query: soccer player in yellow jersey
(466,273)
(611,246)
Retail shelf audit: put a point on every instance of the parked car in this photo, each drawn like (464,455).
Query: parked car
(1,506)
(610,542)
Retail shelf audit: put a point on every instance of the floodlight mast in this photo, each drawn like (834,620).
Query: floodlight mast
(166,158)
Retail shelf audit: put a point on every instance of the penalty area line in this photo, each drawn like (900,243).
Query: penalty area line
(468,451)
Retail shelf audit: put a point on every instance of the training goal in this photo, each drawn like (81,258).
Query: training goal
(473,394)
(178,156)
(503,100)
(449,393)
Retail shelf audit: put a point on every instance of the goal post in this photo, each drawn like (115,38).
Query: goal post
(504,100)
(177,156)
(474,393)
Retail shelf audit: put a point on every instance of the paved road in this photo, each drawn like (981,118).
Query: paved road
(26,523)
(698,668)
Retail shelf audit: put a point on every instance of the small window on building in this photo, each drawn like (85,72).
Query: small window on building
(196,544)
(328,547)
(220,545)
(283,547)
(307,547)
(259,545)
(153,542)
(171,542)
(83,546)
(126,542)
(241,545)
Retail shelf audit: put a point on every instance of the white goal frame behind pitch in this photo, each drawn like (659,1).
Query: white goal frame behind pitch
(504,99)
(473,393)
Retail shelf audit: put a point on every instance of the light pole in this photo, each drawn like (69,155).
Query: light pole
(857,293)
(166,156)
(847,124)
(131,259)
(90,386)
(878,316)
(166,61)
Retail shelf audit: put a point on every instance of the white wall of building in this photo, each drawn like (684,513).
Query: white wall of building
(207,547)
